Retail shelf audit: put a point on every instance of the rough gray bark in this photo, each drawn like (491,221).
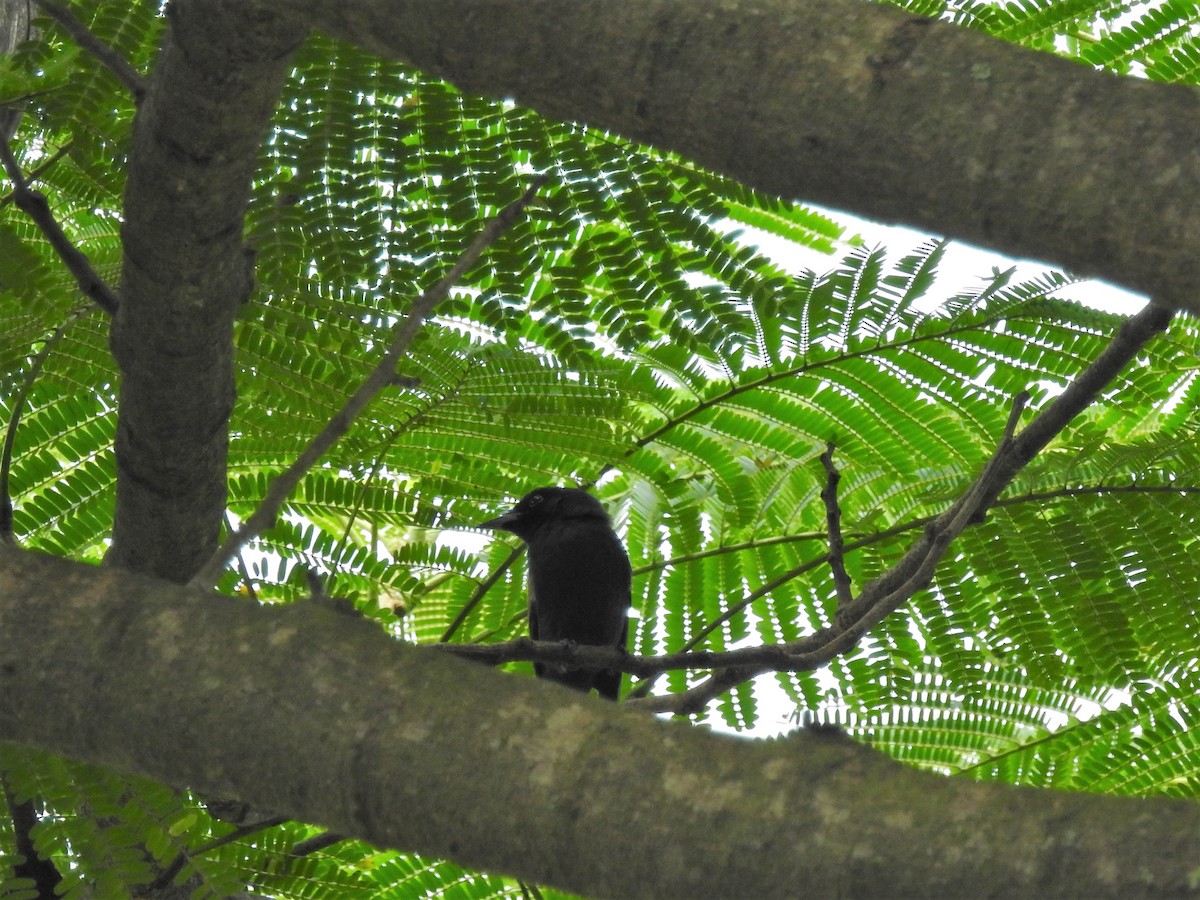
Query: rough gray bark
(186,271)
(318,715)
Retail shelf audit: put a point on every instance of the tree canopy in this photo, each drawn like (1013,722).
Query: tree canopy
(962,529)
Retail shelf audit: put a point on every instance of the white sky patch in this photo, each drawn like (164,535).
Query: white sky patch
(962,266)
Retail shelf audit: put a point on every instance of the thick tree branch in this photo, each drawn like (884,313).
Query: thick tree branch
(186,272)
(324,718)
(851,104)
(383,375)
(108,57)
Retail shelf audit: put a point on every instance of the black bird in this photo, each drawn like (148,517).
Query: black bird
(579,579)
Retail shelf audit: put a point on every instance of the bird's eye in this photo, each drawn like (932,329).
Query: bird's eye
(535,499)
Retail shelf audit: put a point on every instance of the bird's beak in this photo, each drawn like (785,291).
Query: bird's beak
(500,522)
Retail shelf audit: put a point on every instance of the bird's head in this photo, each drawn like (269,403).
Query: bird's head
(545,506)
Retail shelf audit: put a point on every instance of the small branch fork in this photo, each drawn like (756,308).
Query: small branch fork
(383,375)
(856,616)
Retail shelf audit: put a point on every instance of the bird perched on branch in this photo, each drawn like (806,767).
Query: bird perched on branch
(579,579)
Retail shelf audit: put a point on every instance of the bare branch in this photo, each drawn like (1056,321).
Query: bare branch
(833,519)
(108,57)
(34,205)
(914,571)
(382,376)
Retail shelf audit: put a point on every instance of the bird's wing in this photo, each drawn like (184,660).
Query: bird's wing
(533,612)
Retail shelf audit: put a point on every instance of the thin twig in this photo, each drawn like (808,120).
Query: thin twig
(382,376)
(242,831)
(914,571)
(35,205)
(833,519)
(37,171)
(18,409)
(479,593)
(108,57)
(525,649)
(317,842)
